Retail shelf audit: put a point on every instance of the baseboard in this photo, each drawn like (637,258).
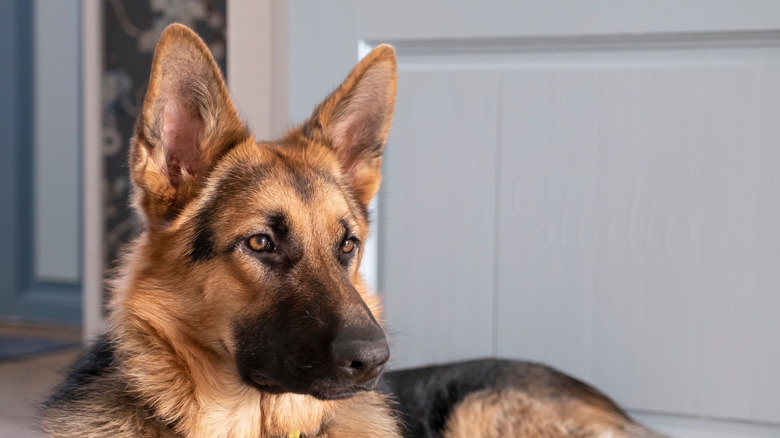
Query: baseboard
(693,427)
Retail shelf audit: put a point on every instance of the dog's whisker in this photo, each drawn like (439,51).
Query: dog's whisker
(312,317)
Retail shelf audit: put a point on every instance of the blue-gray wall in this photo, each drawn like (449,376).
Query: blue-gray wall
(33,217)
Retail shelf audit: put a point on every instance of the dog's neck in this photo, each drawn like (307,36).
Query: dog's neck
(165,373)
(196,401)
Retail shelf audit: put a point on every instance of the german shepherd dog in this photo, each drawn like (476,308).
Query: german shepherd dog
(240,312)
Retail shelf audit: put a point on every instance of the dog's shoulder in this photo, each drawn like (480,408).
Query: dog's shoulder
(94,363)
(94,397)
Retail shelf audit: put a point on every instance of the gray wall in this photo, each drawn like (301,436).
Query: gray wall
(589,186)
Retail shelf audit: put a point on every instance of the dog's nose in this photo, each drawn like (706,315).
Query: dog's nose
(360,355)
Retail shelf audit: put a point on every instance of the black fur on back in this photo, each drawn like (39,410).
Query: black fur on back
(92,364)
(95,383)
(426,396)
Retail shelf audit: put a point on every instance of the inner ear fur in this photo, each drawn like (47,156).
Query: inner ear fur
(355,120)
(186,124)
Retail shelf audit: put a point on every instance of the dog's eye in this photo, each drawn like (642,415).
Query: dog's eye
(260,243)
(348,245)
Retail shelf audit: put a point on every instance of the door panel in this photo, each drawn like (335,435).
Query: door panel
(609,167)
(438,216)
(56,155)
(632,207)
(40,255)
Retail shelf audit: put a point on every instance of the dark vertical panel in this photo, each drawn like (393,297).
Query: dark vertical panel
(9,129)
(132,29)
(24,143)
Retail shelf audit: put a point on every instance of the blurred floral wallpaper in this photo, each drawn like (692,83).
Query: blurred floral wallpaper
(131,31)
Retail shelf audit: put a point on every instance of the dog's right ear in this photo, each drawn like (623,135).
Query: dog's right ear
(187,123)
(355,120)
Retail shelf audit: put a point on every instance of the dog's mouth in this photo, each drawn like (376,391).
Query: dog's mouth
(335,395)
(328,391)
(263,381)
(322,390)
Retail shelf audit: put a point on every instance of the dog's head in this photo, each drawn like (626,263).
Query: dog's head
(254,247)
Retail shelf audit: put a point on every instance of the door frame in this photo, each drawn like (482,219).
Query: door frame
(92,167)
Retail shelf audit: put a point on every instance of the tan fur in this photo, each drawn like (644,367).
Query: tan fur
(514,413)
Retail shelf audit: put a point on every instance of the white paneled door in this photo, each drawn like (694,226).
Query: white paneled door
(595,185)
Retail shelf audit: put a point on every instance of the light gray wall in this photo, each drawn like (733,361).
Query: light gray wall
(57,141)
(590,186)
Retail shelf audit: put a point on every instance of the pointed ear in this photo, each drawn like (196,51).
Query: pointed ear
(356,118)
(187,123)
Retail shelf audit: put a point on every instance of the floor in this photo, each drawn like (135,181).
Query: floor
(25,383)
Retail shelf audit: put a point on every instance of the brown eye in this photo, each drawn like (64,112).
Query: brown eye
(260,243)
(348,246)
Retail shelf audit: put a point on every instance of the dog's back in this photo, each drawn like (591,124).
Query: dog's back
(500,398)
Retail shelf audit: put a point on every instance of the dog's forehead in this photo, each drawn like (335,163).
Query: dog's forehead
(275,178)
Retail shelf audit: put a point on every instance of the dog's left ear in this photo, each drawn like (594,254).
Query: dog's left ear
(355,120)
(186,124)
